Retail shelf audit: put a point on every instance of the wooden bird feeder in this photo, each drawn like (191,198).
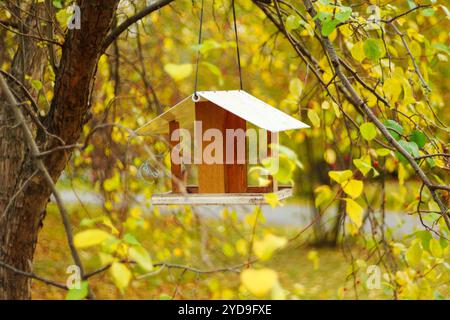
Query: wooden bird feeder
(222,183)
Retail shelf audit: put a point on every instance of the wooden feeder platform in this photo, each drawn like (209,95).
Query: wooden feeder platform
(217,198)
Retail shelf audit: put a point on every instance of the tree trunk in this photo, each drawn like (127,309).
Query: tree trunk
(18,228)
(20,224)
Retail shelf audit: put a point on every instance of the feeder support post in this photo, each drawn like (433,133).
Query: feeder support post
(175,169)
(272,139)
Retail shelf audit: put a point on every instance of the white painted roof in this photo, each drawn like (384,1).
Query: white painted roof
(238,102)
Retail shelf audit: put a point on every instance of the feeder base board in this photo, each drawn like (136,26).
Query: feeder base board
(216,198)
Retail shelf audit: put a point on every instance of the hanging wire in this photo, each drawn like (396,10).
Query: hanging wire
(237,44)
(200,42)
(198,52)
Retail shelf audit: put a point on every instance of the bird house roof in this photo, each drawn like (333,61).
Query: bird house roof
(238,102)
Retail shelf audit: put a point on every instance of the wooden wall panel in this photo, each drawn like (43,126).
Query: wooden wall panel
(236,174)
(211,177)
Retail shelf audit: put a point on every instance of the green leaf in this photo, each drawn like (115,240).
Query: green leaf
(131,239)
(328,27)
(411,147)
(428,12)
(418,137)
(78,294)
(282,168)
(344,14)
(141,257)
(293,22)
(57,4)
(374,49)
(425,237)
(36,84)
(368,131)
(430,162)
(363,164)
(323,15)
(394,128)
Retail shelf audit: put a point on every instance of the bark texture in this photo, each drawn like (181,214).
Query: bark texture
(20,224)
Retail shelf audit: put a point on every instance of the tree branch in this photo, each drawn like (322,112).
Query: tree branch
(359,103)
(116,32)
(33,276)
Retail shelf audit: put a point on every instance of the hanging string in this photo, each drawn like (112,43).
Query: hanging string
(198,52)
(237,44)
(200,42)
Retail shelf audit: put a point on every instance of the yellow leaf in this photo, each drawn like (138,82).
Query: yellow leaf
(141,257)
(433,206)
(313,256)
(325,105)
(368,131)
(178,71)
(392,88)
(402,174)
(136,212)
(382,152)
(314,118)
(112,183)
(336,109)
(265,248)
(354,211)
(296,87)
(278,293)
(89,238)
(241,247)
(340,176)
(353,188)
(435,248)
(272,199)
(415,48)
(259,282)
(323,194)
(121,275)
(107,222)
(414,254)
(357,51)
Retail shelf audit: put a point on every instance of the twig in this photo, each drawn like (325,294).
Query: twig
(128,22)
(33,276)
(413,60)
